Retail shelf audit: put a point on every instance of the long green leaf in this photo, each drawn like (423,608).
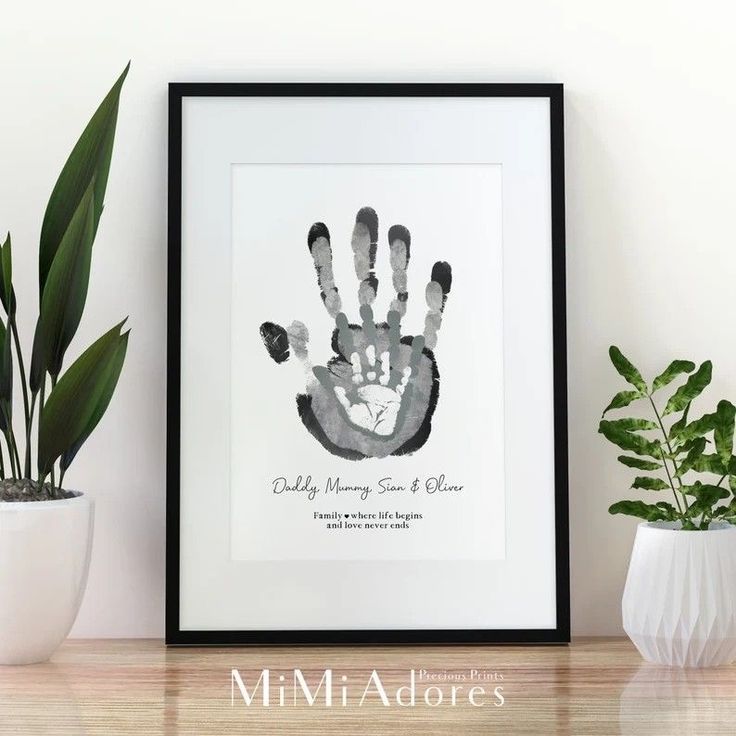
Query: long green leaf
(677,427)
(707,464)
(672,371)
(621,399)
(38,360)
(706,493)
(6,378)
(639,463)
(649,484)
(72,404)
(88,162)
(723,430)
(728,511)
(668,508)
(695,451)
(629,441)
(632,424)
(66,285)
(697,428)
(648,511)
(622,364)
(6,275)
(692,388)
(114,370)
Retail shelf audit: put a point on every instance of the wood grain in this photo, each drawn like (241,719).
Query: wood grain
(595,686)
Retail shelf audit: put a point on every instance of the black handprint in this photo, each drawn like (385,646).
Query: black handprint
(377,396)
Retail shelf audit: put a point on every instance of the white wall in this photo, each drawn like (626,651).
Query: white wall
(651,115)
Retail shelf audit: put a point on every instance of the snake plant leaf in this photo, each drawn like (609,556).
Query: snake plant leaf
(639,463)
(66,285)
(72,404)
(723,430)
(88,162)
(6,276)
(622,364)
(649,484)
(38,360)
(628,441)
(672,371)
(6,378)
(692,388)
(647,511)
(621,399)
(114,370)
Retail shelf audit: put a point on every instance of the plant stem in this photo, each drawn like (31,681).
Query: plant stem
(29,427)
(674,463)
(13,470)
(40,414)
(669,478)
(15,452)
(21,368)
(61,478)
(2,464)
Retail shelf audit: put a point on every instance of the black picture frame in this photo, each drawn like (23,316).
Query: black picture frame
(174,634)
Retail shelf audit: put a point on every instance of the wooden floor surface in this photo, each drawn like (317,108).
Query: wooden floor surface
(594,686)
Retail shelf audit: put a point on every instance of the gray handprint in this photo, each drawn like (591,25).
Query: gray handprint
(377,396)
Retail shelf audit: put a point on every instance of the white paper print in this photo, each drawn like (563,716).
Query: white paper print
(367,362)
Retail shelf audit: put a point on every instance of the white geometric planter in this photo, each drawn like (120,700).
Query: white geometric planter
(679,603)
(45,550)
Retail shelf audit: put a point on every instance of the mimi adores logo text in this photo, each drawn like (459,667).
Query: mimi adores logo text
(418,688)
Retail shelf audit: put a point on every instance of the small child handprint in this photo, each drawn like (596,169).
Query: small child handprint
(377,396)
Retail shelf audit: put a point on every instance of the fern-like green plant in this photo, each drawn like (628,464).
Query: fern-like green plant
(68,403)
(675,455)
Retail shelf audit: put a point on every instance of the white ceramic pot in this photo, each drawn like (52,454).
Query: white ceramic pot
(45,549)
(679,603)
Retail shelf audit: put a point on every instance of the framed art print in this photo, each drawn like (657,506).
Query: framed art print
(366,364)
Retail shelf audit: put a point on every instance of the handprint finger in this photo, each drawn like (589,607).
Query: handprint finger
(369,324)
(323,376)
(342,397)
(417,346)
(405,376)
(357,368)
(276,341)
(410,370)
(298,336)
(394,343)
(370,355)
(364,242)
(436,294)
(345,344)
(385,366)
(318,241)
(399,241)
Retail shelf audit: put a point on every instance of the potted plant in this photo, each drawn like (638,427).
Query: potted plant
(46,529)
(679,602)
